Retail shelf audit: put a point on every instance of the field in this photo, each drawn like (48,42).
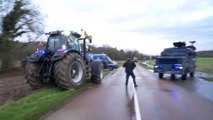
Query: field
(205,65)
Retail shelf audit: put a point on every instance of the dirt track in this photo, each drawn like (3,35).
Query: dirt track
(12,88)
(158,100)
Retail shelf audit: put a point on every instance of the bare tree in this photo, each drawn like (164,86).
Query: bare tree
(22,19)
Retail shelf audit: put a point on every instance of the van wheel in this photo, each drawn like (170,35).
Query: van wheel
(160,75)
(173,76)
(183,76)
(192,74)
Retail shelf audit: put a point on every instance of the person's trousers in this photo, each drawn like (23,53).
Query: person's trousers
(133,77)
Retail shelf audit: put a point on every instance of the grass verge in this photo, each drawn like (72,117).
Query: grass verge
(208,79)
(205,64)
(32,107)
(147,64)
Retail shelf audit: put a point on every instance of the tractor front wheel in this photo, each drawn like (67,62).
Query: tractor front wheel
(69,72)
(97,72)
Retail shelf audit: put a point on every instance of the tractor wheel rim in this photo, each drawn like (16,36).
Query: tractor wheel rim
(76,72)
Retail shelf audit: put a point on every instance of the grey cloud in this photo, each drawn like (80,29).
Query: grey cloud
(165,25)
(201,31)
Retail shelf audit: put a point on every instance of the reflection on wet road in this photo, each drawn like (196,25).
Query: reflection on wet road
(196,84)
(158,100)
(107,101)
(170,100)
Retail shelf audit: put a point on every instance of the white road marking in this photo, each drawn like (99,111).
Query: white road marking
(136,105)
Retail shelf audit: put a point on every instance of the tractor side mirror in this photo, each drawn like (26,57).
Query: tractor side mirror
(90,38)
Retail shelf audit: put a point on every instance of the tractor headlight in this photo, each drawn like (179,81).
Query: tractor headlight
(66,33)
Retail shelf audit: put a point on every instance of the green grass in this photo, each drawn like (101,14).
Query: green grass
(148,64)
(208,79)
(33,106)
(205,65)
(145,66)
(105,73)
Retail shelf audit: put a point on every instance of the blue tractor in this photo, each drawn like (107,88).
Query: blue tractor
(64,62)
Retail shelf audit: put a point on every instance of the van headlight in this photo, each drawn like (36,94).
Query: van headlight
(64,47)
(177,67)
(157,66)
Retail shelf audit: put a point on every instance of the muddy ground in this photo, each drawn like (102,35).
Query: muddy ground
(13,86)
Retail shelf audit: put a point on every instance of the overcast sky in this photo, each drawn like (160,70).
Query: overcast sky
(148,26)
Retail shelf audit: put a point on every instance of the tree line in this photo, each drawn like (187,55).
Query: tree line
(208,53)
(116,54)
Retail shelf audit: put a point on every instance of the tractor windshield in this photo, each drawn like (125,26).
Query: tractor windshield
(56,42)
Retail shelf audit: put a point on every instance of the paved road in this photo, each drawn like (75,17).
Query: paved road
(158,100)
(107,101)
(167,100)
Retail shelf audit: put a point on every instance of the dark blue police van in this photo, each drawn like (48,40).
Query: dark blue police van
(106,60)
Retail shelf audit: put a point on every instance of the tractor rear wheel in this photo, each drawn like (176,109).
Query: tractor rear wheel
(97,72)
(69,72)
(31,75)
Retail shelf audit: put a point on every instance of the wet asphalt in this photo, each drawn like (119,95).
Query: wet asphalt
(159,99)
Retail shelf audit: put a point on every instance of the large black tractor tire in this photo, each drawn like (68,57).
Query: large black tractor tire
(70,72)
(160,75)
(31,71)
(97,72)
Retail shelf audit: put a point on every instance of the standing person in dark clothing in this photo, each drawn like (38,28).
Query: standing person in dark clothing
(129,66)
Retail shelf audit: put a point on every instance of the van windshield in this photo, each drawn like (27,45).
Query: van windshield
(169,61)
(101,58)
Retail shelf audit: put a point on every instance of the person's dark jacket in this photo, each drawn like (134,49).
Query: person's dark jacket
(129,65)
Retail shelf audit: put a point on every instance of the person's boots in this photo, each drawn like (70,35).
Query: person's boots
(135,83)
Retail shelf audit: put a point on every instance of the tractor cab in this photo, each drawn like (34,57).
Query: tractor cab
(61,40)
